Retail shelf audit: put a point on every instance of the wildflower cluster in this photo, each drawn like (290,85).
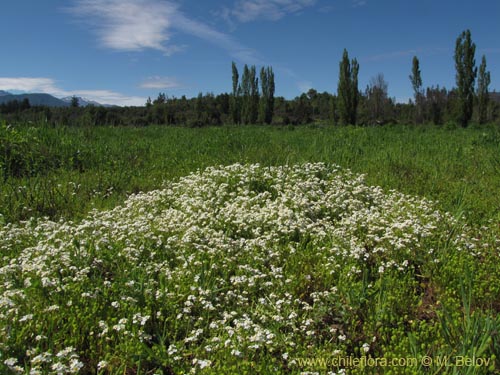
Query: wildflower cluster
(229,269)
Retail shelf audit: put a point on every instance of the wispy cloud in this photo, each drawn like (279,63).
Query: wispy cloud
(109,97)
(392,55)
(358,3)
(250,10)
(49,86)
(28,84)
(128,25)
(135,25)
(222,40)
(160,83)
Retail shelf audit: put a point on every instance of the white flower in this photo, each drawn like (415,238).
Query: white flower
(26,318)
(10,362)
(75,366)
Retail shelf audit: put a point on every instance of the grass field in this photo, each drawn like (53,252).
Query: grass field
(249,250)
(67,171)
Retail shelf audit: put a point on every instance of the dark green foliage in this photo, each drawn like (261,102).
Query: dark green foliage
(161,99)
(266,105)
(436,100)
(324,109)
(416,82)
(250,95)
(377,100)
(334,117)
(483,82)
(415,77)
(245,94)
(466,73)
(303,110)
(15,106)
(236,96)
(254,96)
(75,103)
(347,90)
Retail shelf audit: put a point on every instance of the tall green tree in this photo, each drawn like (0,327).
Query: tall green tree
(483,81)
(347,90)
(272,90)
(465,65)
(266,106)
(235,102)
(245,95)
(416,82)
(254,95)
(250,95)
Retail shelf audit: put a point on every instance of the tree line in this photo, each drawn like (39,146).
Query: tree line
(252,101)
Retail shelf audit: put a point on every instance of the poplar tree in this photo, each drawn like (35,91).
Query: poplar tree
(254,95)
(465,76)
(483,81)
(266,107)
(347,90)
(416,82)
(245,93)
(235,102)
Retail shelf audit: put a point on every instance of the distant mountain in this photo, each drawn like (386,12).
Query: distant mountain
(47,100)
(34,99)
(83,102)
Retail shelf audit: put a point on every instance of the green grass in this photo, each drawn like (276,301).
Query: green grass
(248,269)
(67,171)
(251,269)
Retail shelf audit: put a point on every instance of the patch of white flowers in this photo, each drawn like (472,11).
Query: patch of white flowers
(233,261)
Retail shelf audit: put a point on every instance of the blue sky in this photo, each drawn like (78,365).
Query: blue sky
(122,51)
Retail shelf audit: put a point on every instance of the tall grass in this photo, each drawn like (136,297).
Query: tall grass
(67,171)
(248,269)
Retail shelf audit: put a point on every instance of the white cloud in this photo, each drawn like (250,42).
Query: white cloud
(129,25)
(27,84)
(250,10)
(224,41)
(135,25)
(109,97)
(358,3)
(49,86)
(160,83)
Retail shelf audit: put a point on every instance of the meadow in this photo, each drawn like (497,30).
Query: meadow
(66,171)
(242,250)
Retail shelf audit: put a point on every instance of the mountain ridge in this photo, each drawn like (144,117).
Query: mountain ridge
(41,99)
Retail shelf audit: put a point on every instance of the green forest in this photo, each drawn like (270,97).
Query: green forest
(252,101)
